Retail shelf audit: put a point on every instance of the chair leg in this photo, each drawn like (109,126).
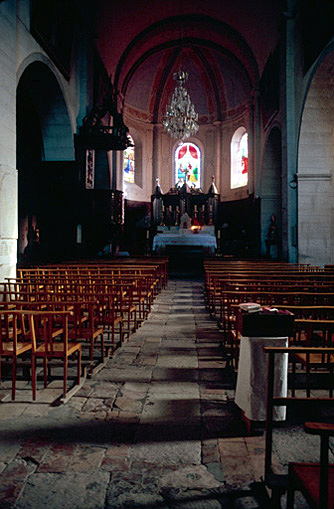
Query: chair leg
(308,380)
(33,376)
(79,367)
(91,354)
(102,346)
(121,333)
(290,490)
(293,380)
(45,371)
(65,376)
(13,377)
(135,321)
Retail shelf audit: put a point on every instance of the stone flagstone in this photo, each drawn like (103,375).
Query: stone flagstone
(155,428)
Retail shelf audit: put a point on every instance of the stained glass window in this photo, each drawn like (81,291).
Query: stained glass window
(188,165)
(239,158)
(129,163)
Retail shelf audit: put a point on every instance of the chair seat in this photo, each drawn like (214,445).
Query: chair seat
(57,331)
(315,358)
(86,334)
(8,348)
(58,349)
(308,475)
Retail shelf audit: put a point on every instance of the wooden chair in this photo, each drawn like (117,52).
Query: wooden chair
(317,333)
(278,483)
(56,346)
(126,307)
(85,327)
(314,480)
(17,338)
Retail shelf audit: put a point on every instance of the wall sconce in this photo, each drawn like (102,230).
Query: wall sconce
(293,183)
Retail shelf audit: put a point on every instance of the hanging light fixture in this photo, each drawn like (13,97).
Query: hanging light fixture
(180,120)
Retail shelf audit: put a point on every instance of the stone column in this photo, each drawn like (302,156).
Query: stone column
(155,156)
(218,171)
(289,192)
(8,221)
(8,171)
(254,181)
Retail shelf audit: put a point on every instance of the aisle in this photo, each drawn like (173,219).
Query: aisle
(157,427)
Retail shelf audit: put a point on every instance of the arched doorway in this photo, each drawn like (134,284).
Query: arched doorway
(47,172)
(315,169)
(271,192)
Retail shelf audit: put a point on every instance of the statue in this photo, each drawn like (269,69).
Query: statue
(158,190)
(213,189)
(272,235)
(185,222)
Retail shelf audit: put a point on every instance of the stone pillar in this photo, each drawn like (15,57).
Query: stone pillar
(8,221)
(155,156)
(8,171)
(289,192)
(254,144)
(218,171)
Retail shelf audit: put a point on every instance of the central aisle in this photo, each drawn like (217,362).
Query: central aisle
(178,392)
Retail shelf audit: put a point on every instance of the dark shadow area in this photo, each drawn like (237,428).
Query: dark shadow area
(185,262)
(228,499)
(226,423)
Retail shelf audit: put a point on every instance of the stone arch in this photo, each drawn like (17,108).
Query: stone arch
(271,187)
(316,168)
(40,83)
(45,161)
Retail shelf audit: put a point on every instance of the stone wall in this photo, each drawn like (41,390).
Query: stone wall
(157,158)
(315,169)
(8,173)
(18,51)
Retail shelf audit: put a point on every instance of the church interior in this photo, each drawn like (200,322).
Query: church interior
(166,254)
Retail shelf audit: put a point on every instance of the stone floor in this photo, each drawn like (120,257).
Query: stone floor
(156,428)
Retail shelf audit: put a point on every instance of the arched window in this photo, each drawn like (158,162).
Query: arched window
(239,158)
(188,165)
(129,163)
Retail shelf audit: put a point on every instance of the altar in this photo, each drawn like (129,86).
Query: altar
(185,217)
(205,239)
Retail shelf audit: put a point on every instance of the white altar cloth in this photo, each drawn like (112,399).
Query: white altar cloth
(160,241)
(251,389)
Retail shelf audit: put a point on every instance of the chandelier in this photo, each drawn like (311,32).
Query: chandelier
(180,120)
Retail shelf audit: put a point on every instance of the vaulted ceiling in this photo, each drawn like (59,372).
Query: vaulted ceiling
(222,44)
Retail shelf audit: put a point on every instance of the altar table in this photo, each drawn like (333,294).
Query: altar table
(251,389)
(207,241)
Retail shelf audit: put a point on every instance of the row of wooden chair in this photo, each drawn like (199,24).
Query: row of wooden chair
(42,334)
(48,312)
(306,292)
(314,480)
